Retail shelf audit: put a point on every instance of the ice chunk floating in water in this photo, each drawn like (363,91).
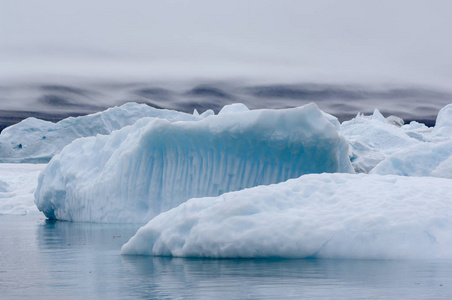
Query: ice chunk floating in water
(34,140)
(318,215)
(141,170)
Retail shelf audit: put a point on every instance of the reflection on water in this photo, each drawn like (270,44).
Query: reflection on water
(293,279)
(52,259)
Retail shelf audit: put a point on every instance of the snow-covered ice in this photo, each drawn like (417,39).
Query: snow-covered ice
(17,185)
(37,141)
(443,126)
(141,170)
(444,169)
(368,216)
(426,159)
(255,180)
(431,157)
(357,216)
(418,131)
(372,139)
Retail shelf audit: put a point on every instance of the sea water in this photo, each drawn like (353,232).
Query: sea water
(43,259)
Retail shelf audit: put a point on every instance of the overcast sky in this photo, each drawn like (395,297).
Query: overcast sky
(351,41)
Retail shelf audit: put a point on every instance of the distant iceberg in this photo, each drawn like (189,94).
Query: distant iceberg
(387,146)
(37,141)
(431,157)
(426,159)
(142,170)
(372,139)
(353,216)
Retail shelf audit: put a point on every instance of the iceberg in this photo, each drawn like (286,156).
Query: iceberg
(443,125)
(418,131)
(233,108)
(352,216)
(37,141)
(372,139)
(432,157)
(419,160)
(139,171)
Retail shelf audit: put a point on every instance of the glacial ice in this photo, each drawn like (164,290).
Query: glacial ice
(444,169)
(442,131)
(141,170)
(149,170)
(37,141)
(431,157)
(418,131)
(443,126)
(17,186)
(372,139)
(357,216)
(233,108)
(418,160)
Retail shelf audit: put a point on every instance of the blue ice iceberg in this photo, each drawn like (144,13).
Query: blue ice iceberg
(142,170)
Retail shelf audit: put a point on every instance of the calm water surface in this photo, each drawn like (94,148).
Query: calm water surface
(46,259)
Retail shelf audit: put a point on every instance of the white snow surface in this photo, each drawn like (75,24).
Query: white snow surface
(357,216)
(17,185)
(139,171)
(34,140)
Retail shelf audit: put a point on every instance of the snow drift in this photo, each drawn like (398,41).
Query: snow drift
(37,141)
(357,216)
(141,170)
